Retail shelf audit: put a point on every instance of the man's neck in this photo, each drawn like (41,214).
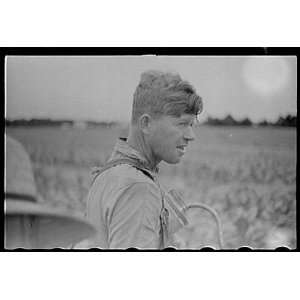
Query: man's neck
(137,141)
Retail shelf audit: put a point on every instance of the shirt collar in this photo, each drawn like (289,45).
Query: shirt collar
(122,148)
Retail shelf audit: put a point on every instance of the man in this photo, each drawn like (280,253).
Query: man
(126,202)
(29,224)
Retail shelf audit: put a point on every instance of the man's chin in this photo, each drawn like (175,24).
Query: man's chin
(173,161)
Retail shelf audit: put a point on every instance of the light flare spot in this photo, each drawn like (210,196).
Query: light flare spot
(266,75)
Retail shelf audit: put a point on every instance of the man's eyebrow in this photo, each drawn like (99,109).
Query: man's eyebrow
(187,119)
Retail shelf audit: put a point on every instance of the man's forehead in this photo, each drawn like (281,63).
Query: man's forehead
(186,117)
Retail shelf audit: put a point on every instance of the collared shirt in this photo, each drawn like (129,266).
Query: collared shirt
(122,149)
(125,205)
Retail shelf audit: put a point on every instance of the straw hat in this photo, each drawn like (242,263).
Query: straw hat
(31,224)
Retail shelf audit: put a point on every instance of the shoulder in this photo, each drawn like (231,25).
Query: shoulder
(124,183)
(138,195)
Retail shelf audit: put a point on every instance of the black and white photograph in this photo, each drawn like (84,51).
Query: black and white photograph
(150,152)
(149,149)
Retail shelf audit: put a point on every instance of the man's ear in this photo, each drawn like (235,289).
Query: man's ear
(145,123)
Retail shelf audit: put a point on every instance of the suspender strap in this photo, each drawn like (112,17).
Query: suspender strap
(180,203)
(177,211)
(117,162)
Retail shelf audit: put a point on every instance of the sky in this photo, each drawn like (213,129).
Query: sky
(101,88)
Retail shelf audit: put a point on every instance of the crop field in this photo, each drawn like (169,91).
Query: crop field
(248,175)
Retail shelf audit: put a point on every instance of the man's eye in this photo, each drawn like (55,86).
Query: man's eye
(185,124)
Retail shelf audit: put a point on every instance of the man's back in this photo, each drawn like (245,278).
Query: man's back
(125,205)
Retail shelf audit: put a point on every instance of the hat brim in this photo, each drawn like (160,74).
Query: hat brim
(54,228)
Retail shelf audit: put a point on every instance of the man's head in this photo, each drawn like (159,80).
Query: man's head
(164,110)
(161,94)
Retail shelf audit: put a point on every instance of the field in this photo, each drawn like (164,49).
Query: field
(248,175)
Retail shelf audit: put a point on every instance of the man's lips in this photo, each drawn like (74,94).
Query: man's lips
(181,148)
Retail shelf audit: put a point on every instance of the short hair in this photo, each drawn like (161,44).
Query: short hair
(160,93)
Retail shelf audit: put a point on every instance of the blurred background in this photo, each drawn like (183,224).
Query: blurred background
(69,111)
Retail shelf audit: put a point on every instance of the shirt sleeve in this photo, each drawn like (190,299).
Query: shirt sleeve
(134,220)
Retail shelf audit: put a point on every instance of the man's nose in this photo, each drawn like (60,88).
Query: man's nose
(189,134)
